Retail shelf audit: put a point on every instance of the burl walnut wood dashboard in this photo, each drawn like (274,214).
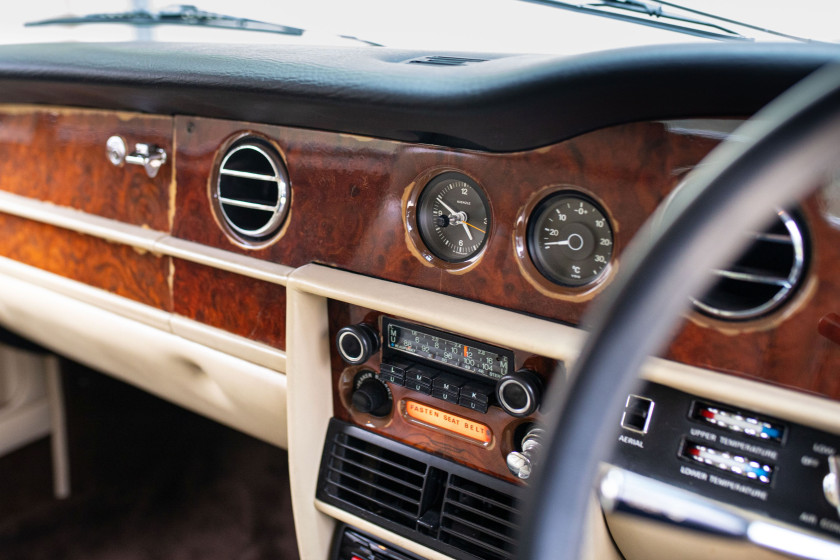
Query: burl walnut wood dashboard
(349,202)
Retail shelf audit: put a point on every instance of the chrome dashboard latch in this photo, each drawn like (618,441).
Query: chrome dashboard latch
(149,156)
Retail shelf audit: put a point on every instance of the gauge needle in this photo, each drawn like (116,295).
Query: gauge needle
(472,226)
(568,242)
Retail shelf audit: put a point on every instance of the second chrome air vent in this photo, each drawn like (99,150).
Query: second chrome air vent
(251,192)
(764,278)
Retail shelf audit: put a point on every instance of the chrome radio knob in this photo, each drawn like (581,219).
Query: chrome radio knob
(519,393)
(357,343)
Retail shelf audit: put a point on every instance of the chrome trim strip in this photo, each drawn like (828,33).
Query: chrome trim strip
(246,204)
(755,278)
(773,237)
(622,491)
(250,175)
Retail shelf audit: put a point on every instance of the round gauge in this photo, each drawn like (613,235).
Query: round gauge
(570,239)
(453,217)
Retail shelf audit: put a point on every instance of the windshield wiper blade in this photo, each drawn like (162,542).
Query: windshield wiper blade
(183,15)
(651,14)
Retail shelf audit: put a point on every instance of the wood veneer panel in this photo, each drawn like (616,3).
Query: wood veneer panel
(348,207)
(119,269)
(347,199)
(784,349)
(58,155)
(240,305)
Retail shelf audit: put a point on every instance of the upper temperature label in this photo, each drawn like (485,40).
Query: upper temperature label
(448,350)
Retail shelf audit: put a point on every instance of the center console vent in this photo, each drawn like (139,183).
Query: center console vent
(433,501)
(479,519)
(375,479)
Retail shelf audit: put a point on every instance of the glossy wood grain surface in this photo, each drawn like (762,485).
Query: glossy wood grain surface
(119,269)
(786,348)
(348,197)
(348,208)
(58,155)
(349,203)
(250,308)
(487,458)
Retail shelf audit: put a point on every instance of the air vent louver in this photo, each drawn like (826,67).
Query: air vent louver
(479,519)
(435,502)
(376,480)
(764,278)
(252,190)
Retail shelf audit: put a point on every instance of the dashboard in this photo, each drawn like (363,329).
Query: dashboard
(354,256)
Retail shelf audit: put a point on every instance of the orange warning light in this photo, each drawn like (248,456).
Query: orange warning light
(432,416)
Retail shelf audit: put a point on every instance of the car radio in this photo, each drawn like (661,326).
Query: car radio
(420,384)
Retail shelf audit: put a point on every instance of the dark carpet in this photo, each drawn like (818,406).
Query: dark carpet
(150,481)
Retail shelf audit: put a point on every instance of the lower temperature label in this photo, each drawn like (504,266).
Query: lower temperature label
(459,425)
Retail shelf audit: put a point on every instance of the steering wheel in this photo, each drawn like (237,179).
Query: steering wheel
(780,155)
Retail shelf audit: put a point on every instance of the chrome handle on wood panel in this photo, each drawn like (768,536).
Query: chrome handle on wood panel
(149,156)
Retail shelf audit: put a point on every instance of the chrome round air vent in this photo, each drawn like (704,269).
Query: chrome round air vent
(766,275)
(251,193)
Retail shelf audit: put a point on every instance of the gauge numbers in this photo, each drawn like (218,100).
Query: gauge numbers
(453,217)
(570,239)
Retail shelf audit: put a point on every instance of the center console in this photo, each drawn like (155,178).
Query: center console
(433,433)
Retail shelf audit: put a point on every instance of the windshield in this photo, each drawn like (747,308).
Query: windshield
(439,25)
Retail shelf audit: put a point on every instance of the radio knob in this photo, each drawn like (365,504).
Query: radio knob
(357,343)
(519,393)
(370,395)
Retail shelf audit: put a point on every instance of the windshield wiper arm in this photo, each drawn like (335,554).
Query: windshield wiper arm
(736,22)
(182,15)
(654,9)
(652,14)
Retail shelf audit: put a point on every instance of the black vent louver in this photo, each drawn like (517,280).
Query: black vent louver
(446,60)
(435,502)
(376,480)
(480,519)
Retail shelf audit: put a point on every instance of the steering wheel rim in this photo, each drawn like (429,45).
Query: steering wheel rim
(779,156)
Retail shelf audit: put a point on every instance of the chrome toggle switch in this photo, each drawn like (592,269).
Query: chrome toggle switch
(521,463)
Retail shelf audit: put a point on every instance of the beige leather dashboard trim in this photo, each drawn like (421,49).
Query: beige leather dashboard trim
(468,318)
(642,539)
(134,343)
(228,343)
